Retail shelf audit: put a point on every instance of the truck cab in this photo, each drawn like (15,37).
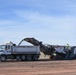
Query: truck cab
(5,49)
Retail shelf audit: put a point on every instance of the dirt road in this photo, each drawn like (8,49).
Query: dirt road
(41,67)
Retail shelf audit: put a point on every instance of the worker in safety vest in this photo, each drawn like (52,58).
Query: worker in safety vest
(68,51)
(68,47)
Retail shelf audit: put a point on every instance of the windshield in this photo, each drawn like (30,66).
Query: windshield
(2,47)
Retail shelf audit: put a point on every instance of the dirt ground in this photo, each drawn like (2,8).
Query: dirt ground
(41,67)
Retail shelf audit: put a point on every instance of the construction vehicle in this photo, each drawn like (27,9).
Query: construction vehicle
(13,51)
(55,51)
(18,52)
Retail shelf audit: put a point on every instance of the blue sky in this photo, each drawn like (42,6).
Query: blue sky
(50,21)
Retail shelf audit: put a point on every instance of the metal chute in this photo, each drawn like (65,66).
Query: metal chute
(43,48)
(31,40)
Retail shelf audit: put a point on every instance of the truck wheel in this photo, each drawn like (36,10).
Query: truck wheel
(23,57)
(29,58)
(35,57)
(3,58)
(17,57)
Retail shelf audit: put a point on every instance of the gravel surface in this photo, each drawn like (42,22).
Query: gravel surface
(41,67)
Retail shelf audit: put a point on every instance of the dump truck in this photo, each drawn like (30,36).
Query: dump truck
(13,51)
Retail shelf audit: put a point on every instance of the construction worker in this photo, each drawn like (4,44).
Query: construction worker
(68,51)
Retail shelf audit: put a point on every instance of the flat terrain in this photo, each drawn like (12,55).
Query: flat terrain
(41,67)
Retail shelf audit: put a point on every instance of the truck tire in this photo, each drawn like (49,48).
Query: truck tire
(35,57)
(18,57)
(29,58)
(23,57)
(3,58)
